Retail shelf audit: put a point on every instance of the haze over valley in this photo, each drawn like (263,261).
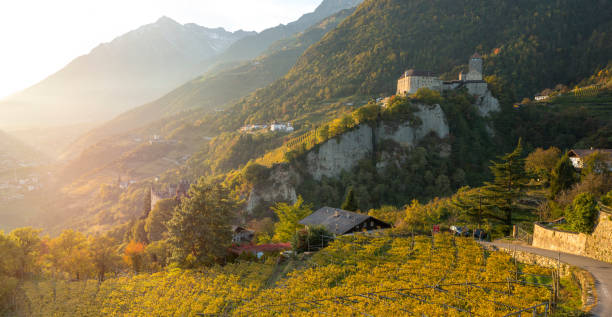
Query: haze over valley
(318,157)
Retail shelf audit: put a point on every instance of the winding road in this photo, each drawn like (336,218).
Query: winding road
(601,271)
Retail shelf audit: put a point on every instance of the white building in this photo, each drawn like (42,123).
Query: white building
(282,127)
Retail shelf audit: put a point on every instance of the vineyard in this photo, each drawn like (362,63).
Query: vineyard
(356,275)
(385,276)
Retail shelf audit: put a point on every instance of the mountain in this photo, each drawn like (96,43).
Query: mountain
(526,45)
(134,68)
(251,46)
(226,84)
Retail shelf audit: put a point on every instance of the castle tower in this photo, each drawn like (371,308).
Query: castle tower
(475,72)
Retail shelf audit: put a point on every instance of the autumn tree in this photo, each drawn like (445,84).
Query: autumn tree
(104,255)
(596,163)
(69,253)
(200,230)
(134,256)
(541,162)
(27,241)
(289,217)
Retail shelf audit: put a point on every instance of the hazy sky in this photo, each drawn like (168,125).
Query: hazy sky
(38,37)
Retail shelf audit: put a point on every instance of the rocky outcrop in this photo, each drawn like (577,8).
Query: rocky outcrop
(486,104)
(345,151)
(340,153)
(280,186)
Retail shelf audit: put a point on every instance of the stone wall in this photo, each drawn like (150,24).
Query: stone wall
(558,240)
(595,245)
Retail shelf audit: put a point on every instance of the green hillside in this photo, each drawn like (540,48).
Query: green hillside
(366,54)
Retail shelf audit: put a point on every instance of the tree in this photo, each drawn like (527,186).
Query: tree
(350,203)
(103,250)
(507,187)
(200,229)
(146,204)
(582,214)
(428,96)
(155,224)
(289,217)
(596,163)
(541,162)
(134,256)
(69,253)
(27,241)
(311,239)
(562,176)
(470,205)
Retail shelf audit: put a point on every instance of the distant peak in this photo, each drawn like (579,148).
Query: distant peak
(165,20)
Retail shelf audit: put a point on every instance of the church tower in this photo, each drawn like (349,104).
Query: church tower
(475,72)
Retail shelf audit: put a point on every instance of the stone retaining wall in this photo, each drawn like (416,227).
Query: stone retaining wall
(595,245)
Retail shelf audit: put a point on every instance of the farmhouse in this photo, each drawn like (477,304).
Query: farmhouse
(578,157)
(339,222)
(242,235)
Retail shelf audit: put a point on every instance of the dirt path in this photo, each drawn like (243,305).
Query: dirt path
(601,271)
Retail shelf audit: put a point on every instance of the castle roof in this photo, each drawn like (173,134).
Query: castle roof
(421,73)
(476,55)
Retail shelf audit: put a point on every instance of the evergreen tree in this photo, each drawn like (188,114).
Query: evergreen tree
(563,176)
(507,187)
(349,202)
(200,230)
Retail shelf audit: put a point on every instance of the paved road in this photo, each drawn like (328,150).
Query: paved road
(601,271)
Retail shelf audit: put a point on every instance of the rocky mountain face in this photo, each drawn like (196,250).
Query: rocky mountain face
(331,159)
(136,67)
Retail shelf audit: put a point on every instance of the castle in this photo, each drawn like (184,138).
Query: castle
(412,80)
(176,191)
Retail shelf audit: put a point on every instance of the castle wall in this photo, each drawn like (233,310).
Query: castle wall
(477,88)
(410,84)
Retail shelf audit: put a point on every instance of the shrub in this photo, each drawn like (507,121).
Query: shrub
(311,239)
(582,214)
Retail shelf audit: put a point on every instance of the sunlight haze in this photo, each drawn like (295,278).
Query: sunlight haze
(41,37)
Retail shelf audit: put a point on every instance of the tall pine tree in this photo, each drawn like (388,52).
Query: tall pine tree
(509,182)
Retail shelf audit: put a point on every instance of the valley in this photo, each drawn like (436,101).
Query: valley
(372,157)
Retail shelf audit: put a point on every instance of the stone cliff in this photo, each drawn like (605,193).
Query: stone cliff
(344,152)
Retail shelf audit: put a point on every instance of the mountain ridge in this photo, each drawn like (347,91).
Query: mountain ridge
(133,68)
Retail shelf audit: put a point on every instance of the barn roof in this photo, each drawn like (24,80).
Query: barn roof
(336,221)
